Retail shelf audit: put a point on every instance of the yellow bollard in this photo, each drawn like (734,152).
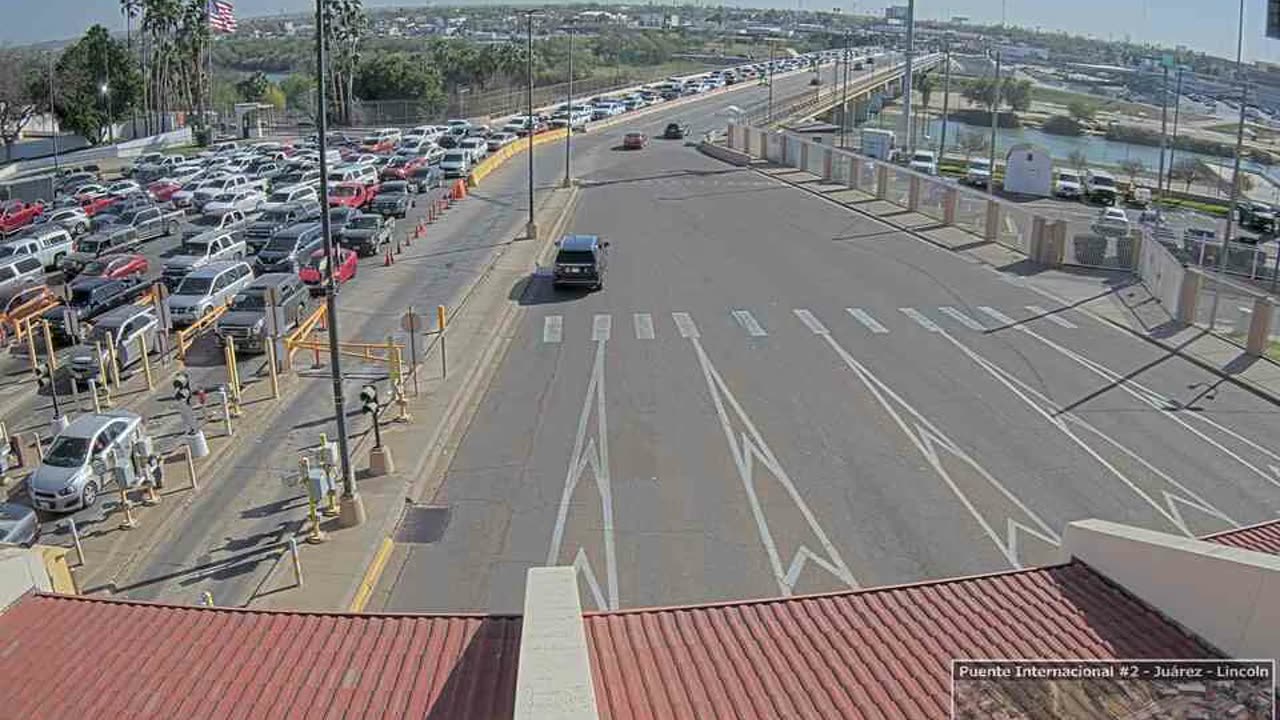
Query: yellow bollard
(48,344)
(206,598)
(31,349)
(191,468)
(271,364)
(115,366)
(441,319)
(233,384)
(129,522)
(146,362)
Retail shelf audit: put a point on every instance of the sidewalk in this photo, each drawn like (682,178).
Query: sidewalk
(1116,297)
(341,573)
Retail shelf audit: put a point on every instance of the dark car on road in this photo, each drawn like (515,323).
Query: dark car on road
(246,322)
(392,199)
(89,299)
(581,260)
(425,178)
(261,230)
(367,233)
(675,131)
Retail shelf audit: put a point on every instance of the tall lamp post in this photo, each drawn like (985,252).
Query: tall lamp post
(568,138)
(995,123)
(53,118)
(350,505)
(531,229)
(906,77)
(1235,175)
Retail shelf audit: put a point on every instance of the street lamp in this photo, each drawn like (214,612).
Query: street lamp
(351,506)
(531,229)
(568,138)
(1235,175)
(104,91)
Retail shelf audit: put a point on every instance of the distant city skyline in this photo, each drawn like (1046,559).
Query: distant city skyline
(1203,25)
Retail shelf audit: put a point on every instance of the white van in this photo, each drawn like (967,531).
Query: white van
(363,174)
(289,195)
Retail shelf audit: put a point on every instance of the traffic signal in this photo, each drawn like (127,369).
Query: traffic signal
(369,400)
(44,378)
(182,387)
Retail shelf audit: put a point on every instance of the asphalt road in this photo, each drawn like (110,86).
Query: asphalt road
(773,395)
(226,547)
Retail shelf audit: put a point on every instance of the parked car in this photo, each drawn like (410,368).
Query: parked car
(290,247)
(19,274)
(246,321)
(65,479)
(246,201)
(125,188)
(89,299)
(1100,187)
(977,172)
(207,287)
(392,199)
(367,234)
(313,273)
(214,188)
(499,140)
(351,194)
(72,219)
(456,163)
(131,331)
(48,244)
(477,146)
(634,141)
(1256,216)
(200,251)
(114,267)
(1111,222)
(147,222)
(92,247)
(402,166)
(1068,185)
(924,161)
(226,220)
(425,178)
(675,131)
(18,524)
(265,226)
(17,214)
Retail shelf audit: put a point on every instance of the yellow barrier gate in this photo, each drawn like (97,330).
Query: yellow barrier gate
(188,335)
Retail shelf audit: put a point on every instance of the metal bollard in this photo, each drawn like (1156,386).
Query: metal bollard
(129,522)
(93,394)
(274,373)
(31,349)
(146,362)
(75,539)
(191,468)
(233,378)
(297,561)
(48,344)
(206,598)
(441,321)
(225,401)
(114,365)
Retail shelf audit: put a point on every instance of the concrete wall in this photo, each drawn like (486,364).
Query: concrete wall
(21,570)
(1227,596)
(554,676)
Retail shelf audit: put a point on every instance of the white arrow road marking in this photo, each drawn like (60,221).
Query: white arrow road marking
(929,440)
(591,451)
(1055,416)
(1166,407)
(749,448)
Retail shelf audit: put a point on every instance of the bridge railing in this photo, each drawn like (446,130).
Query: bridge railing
(1193,295)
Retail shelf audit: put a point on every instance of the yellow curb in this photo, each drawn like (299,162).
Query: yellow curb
(371,576)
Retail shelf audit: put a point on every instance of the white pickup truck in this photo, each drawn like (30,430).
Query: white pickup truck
(208,191)
(49,244)
(199,251)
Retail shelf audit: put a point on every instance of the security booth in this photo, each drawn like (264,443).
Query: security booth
(253,119)
(1028,170)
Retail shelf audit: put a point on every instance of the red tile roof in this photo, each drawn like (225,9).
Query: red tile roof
(1263,537)
(878,653)
(66,657)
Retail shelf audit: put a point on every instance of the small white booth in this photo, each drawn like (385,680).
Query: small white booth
(1028,170)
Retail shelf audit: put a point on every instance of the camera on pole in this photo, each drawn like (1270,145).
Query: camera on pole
(369,405)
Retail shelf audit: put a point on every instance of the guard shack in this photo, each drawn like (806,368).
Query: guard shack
(253,119)
(1028,170)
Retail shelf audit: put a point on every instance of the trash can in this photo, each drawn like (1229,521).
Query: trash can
(197,443)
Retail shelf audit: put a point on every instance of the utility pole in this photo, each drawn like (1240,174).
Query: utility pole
(1235,175)
(1173,143)
(768,117)
(351,506)
(531,229)
(995,123)
(53,119)
(906,77)
(1164,128)
(844,95)
(128,41)
(568,138)
(946,99)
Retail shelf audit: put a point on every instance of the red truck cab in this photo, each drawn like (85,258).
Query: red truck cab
(17,214)
(351,194)
(312,273)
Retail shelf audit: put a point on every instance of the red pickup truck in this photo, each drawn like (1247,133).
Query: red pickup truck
(351,194)
(16,214)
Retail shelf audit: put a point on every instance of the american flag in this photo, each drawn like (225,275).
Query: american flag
(222,16)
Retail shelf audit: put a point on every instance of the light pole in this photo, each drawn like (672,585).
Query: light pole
(844,95)
(1164,128)
(53,120)
(105,130)
(768,116)
(531,229)
(1235,175)
(906,77)
(568,138)
(1173,144)
(946,99)
(350,505)
(995,123)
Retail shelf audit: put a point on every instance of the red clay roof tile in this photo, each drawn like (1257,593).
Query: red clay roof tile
(1263,537)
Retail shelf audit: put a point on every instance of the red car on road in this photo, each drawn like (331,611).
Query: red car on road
(114,267)
(402,167)
(17,214)
(634,140)
(312,274)
(351,194)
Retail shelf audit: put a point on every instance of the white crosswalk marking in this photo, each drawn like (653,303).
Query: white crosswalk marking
(999,316)
(552,328)
(749,323)
(644,326)
(811,322)
(601,326)
(1054,317)
(865,318)
(961,318)
(685,325)
(920,319)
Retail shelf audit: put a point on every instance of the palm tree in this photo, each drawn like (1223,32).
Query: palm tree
(347,24)
(131,9)
(160,23)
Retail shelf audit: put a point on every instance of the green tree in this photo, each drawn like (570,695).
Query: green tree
(1188,170)
(347,24)
(273,96)
(1016,94)
(973,143)
(18,96)
(400,76)
(297,89)
(980,92)
(1061,125)
(254,87)
(1082,110)
(1078,160)
(97,83)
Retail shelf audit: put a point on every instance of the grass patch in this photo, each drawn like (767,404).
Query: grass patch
(1065,97)
(1201,206)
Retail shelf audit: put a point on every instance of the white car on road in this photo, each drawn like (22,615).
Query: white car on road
(1111,222)
(924,161)
(1068,185)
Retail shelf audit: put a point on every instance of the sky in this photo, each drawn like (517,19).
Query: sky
(1208,25)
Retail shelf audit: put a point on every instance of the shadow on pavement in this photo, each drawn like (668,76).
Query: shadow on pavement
(539,290)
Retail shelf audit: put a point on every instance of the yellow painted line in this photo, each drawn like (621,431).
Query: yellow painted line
(371,575)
